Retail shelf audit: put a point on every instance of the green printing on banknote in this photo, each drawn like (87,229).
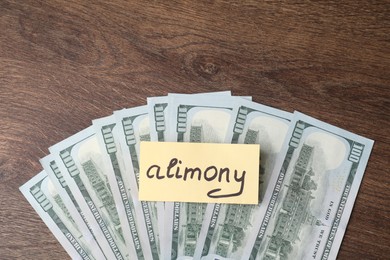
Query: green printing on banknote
(235,224)
(103,193)
(159,119)
(63,208)
(127,204)
(194,211)
(131,142)
(295,206)
(61,180)
(46,205)
(160,128)
(236,217)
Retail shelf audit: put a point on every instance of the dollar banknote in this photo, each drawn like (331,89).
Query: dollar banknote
(138,213)
(311,193)
(124,192)
(72,208)
(225,228)
(132,127)
(80,161)
(193,119)
(309,176)
(158,121)
(43,197)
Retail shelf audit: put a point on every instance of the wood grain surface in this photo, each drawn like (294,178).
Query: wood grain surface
(64,63)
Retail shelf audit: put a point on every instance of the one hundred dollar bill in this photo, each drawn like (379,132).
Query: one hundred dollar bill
(311,193)
(43,197)
(132,127)
(73,210)
(79,159)
(193,119)
(124,189)
(225,229)
(158,108)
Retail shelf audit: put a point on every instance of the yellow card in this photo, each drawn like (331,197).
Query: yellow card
(199,172)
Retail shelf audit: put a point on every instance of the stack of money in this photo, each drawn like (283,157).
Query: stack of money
(310,174)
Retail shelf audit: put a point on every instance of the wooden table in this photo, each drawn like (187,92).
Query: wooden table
(64,63)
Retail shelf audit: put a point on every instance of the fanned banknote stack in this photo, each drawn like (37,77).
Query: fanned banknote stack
(310,174)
